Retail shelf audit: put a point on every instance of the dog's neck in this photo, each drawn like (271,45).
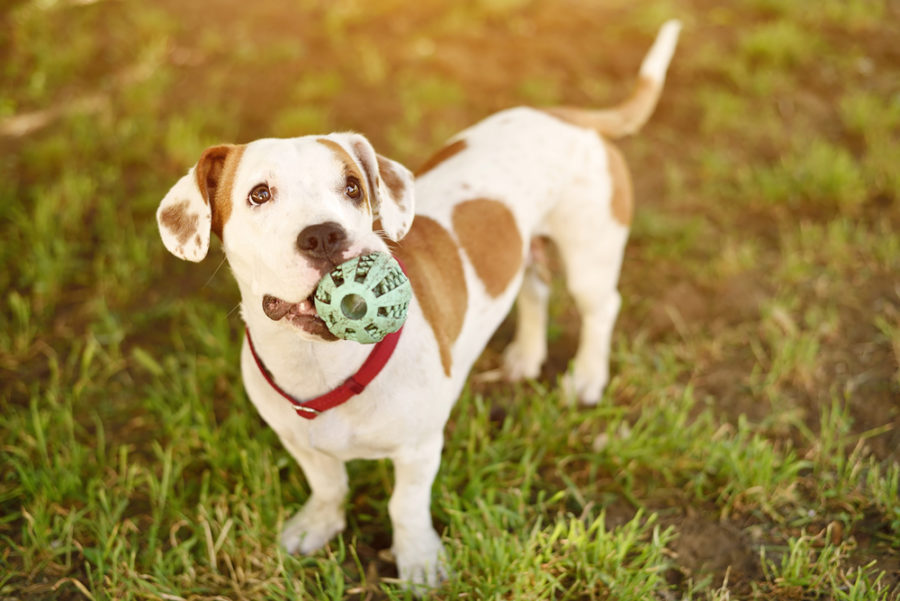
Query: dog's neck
(303,368)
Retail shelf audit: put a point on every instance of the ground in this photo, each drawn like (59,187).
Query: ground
(747,446)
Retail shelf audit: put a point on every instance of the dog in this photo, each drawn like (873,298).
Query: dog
(464,229)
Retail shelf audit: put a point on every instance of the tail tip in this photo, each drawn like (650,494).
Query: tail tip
(658,58)
(670,28)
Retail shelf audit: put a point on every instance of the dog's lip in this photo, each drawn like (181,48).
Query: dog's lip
(300,314)
(276,308)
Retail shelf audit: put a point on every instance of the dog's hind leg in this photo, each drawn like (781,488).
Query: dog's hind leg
(524,356)
(589,373)
(591,248)
(322,516)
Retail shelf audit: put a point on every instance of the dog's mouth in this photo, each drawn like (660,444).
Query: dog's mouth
(302,315)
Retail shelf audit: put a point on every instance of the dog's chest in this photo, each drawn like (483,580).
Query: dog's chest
(342,438)
(334,432)
(351,431)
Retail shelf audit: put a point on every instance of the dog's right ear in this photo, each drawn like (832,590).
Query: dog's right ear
(186,216)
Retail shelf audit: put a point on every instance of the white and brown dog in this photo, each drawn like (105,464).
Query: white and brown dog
(288,210)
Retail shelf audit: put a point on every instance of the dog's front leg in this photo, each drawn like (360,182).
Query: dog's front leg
(323,514)
(417,547)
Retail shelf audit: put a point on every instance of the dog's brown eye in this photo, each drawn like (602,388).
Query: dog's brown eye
(259,195)
(352,189)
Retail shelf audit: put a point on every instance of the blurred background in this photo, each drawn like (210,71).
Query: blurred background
(761,296)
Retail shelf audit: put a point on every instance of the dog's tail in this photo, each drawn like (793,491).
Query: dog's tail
(630,115)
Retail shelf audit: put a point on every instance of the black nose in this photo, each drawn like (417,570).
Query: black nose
(322,240)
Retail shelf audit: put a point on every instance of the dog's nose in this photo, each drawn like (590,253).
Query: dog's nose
(320,241)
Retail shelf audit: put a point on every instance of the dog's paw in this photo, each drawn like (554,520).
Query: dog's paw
(522,364)
(312,527)
(584,388)
(422,566)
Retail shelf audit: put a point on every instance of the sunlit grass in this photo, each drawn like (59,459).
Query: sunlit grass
(132,466)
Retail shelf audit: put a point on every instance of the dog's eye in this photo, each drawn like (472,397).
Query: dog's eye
(259,195)
(352,189)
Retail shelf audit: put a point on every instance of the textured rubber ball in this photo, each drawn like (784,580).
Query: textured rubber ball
(364,299)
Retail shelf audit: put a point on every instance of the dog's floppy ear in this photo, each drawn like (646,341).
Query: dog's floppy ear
(186,214)
(391,185)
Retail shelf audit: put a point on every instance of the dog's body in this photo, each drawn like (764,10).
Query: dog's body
(288,210)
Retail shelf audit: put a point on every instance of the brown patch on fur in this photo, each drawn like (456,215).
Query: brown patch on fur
(441,155)
(487,231)
(624,119)
(362,155)
(215,177)
(622,202)
(209,170)
(435,270)
(222,203)
(177,220)
(350,168)
(395,184)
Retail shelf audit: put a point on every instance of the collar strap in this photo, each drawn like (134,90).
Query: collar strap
(352,386)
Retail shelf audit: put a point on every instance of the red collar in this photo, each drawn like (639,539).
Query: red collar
(355,384)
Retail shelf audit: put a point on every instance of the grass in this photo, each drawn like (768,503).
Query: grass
(747,445)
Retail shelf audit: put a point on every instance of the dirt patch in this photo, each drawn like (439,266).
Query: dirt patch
(863,366)
(709,548)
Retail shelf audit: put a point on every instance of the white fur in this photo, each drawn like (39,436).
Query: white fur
(656,62)
(553,177)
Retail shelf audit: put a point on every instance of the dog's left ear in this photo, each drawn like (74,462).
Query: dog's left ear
(393,196)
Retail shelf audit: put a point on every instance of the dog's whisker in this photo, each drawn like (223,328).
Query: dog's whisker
(384,236)
(320,372)
(215,272)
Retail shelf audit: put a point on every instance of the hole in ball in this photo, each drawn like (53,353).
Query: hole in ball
(353,306)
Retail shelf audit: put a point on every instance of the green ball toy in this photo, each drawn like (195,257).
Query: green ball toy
(364,299)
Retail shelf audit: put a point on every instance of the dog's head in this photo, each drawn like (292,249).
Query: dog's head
(287,211)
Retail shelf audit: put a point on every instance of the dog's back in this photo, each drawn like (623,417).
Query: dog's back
(517,177)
